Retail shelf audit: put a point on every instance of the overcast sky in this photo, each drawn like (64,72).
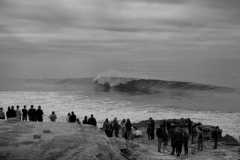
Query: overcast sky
(119,28)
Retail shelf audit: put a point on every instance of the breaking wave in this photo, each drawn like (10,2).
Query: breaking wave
(131,85)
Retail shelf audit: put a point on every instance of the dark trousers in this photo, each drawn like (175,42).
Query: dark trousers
(24,118)
(116,132)
(200,144)
(152,135)
(173,146)
(107,132)
(215,143)
(149,137)
(178,144)
(186,147)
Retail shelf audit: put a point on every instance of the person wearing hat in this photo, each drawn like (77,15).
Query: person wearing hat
(2,114)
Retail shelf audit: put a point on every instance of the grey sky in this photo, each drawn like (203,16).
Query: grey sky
(119,28)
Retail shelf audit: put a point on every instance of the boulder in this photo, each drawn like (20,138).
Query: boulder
(229,140)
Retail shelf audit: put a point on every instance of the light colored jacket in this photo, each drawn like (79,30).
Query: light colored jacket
(53,117)
(2,114)
(18,113)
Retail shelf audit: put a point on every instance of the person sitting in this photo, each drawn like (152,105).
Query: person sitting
(2,114)
(53,117)
(92,121)
(72,118)
(85,121)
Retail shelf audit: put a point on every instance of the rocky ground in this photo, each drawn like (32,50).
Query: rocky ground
(27,141)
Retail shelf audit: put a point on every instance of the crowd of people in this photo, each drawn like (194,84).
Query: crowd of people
(23,115)
(165,132)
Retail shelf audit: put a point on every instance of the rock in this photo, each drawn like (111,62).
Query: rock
(229,140)
(227,157)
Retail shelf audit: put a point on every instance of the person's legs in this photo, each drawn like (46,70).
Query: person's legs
(159,144)
(153,134)
(173,147)
(186,147)
(215,143)
(201,142)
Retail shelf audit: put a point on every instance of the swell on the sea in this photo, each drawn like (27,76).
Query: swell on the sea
(130,85)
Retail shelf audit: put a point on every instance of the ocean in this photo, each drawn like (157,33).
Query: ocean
(206,91)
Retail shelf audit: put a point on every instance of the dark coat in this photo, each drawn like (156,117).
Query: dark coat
(128,126)
(39,114)
(177,136)
(92,121)
(24,112)
(161,133)
(72,118)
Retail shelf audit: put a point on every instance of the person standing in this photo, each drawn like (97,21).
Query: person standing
(12,112)
(189,126)
(18,113)
(215,136)
(8,113)
(149,132)
(199,138)
(53,117)
(106,127)
(72,118)
(92,121)
(24,113)
(123,127)
(85,121)
(2,114)
(32,114)
(185,141)
(68,117)
(39,114)
(116,127)
(128,129)
(178,140)
(162,137)
(152,123)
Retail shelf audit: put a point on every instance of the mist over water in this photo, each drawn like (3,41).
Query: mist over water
(205,91)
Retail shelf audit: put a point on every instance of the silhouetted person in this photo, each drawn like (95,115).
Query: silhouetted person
(162,137)
(199,138)
(149,132)
(2,114)
(8,113)
(53,117)
(185,140)
(193,132)
(68,117)
(39,114)
(18,113)
(32,114)
(106,127)
(128,129)
(216,134)
(92,121)
(72,118)
(116,127)
(24,114)
(85,121)
(189,126)
(123,127)
(12,112)
(152,123)
(178,140)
